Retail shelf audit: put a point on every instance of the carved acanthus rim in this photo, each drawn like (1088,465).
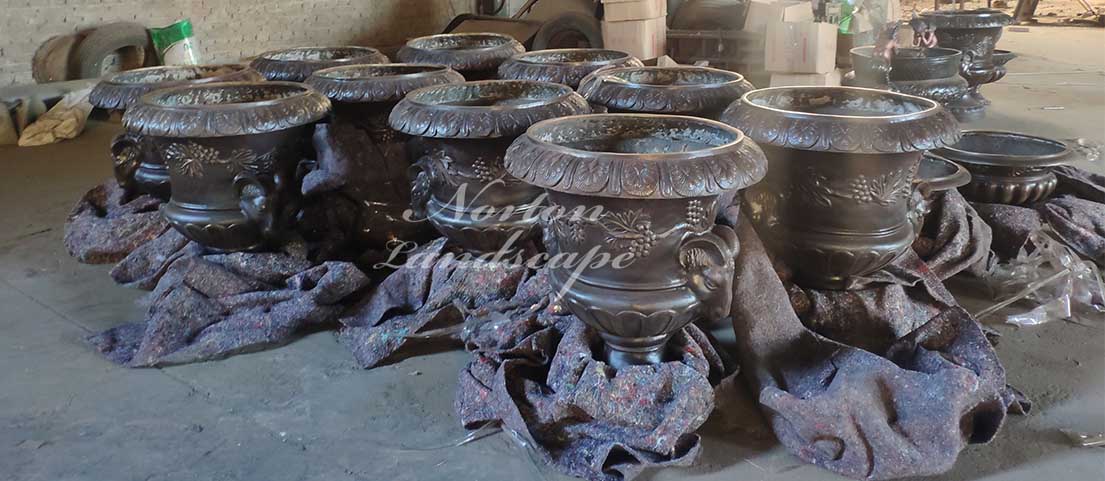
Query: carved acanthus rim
(566,66)
(439,111)
(218,109)
(385,83)
(771,116)
(282,65)
(664,90)
(962,19)
(120,91)
(465,51)
(730,161)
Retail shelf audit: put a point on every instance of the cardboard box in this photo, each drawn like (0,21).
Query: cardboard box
(831,79)
(623,10)
(800,47)
(641,38)
(763,12)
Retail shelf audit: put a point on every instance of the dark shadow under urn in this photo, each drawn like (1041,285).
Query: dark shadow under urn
(1007,167)
(932,73)
(842,161)
(377,177)
(463,131)
(632,199)
(566,66)
(296,64)
(975,33)
(682,90)
(136,168)
(232,150)
(477,56)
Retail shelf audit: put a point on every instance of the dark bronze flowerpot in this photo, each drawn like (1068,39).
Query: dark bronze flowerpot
(296,64)
(683,90)
(1007,167)
(973,32)
(932,73)
(232,150)
(363,97)
(463,131)
(477,56)
(136,169)
(564,66)
(842,162)
(934,174)
(642,191)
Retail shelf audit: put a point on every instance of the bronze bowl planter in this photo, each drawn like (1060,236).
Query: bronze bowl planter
(1002,57)
(934,174)
(1007,167)
(463,131)
(232,150)
(296,64)
(932,73)
(477,56)
(363,97)
(682,90)
(643,190)
(564,66)
(975,33)
(842,161)
(136,168)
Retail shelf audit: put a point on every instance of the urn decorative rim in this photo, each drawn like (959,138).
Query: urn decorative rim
(462,51)
(996,148)
(483,110)
(843,119)
(976,18)
(666,90)
(296,64)
(388,82)
(121,90)
(566,66)
(226,109)
(617,155)
(910,64)
(936,173)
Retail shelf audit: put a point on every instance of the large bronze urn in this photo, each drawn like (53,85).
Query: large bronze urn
(835,204)
(296,64)
(932,73)
(232,151)
(635,252)
(136,168)
(462,132)
(566,66)
(975,33)
(477,56)
(376,175)
(682,90)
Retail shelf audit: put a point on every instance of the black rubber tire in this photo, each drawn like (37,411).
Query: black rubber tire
(88,58)
(709,15)
(582,26)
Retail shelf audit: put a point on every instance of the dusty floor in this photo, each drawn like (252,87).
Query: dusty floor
(306,411)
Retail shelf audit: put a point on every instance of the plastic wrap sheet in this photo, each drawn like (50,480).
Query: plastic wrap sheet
(103,228)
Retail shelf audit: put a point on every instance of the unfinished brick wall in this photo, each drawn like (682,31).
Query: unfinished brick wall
(227,30)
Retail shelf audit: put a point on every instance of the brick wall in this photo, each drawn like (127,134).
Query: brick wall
(227,30)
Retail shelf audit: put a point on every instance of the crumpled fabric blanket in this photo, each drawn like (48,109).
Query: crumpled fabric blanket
(433,289)
(534,372)
(1075,213)
(210,306)
(954,238)
(905,411)
(102,228)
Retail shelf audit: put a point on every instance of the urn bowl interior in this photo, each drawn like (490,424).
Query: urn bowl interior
(231,94)
(460,41)
(1010,149)
(569,56)
(671,76)
(909,54)
(491,94)
(176,73)
(319,54)
(840,102)
(636,134)
(371,71)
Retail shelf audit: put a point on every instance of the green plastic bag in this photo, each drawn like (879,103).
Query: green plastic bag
(176,44)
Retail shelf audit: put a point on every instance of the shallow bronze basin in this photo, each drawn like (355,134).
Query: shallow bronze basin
(1007,167)
(296,64)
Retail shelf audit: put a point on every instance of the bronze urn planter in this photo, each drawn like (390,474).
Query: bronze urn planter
(363,97)
(564,66)
(975,33)
(463,130)
(477,56)
(932,73)
(640,191)
(296,64)
(1007,167)
(682,90)
(136,168)
(232,150)
(842,162)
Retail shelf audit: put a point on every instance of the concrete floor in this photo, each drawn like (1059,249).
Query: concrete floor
(305,411)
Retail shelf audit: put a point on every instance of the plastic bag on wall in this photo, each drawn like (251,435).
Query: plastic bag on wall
(176,44)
